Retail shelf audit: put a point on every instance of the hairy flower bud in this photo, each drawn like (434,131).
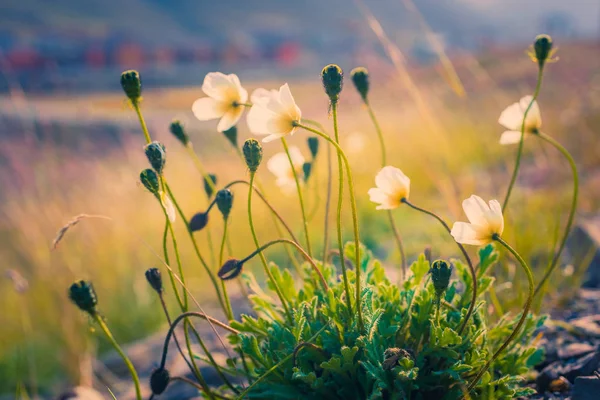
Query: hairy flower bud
(542,48)
(83,295)
(150,180)
(333,79)
(154,278)
(177,130)
(360,78)
(157,156)
(224,201)
(208,188)
(231,269)
(253,154)
(440,276)
(313,146)
(198,221)
(307,169)
(231,135)
(159,380)
(132,85)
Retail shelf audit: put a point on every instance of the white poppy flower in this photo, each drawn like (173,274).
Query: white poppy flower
(392,187)
(273,113)
(485,221)
(226,98)
(168,205)
(512,119)
(280,166)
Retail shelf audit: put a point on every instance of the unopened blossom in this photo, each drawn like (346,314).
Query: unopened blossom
(485,221)
(280,166)
(226,100)
(512,119)
(392,187)
(273,113)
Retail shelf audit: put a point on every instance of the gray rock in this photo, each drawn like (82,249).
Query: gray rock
(586,388)
(586,365)
(586,236)
(588,326)
(575,350)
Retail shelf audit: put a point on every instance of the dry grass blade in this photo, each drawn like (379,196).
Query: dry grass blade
(61,233)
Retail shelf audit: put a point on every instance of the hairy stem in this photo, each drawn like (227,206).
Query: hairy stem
(465,254)
(221,253)
(520,150)
(138,111)
(563,242)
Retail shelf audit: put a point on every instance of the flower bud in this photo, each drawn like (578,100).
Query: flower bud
(224,201)
(150,180)
(207,187)
(313,146)
(177,130)
(542,48)
(253,154)
(360,78)
(333,79)
(157,156)
(154,278)
(440,275)
(132,85)
(198,221)
(83,295)
(159,380)
(231,269)
(307,169)
(231,135)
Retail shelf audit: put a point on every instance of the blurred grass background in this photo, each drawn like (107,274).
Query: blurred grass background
(83,154)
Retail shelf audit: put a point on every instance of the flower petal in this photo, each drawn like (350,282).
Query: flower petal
(272,137)
(534,117)
(168,205)
(279,165)
(262,96)
(207,108)
(393,181)
(512,117)
(475,208)
(258,119)
(465,233)
(511,137)
(216,84)
(496,220)
(230,118)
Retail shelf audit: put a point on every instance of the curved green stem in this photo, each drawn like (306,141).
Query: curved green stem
(383,164)
(113,342)
(166,311)
(306,256)
(196,248)
(223,287)
(328,198)
(300,196)
(262,257)
(526,308)
(197,373)
(563,242)
(138,111)
(520,150)
(342,156)
(168,262)
(465,254)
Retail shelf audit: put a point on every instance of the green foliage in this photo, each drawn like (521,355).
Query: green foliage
(402,353)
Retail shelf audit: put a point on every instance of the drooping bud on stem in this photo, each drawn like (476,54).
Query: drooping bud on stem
(177,130)
(307,169)
(360,78)
(208,188)
(157,156)
(224,201)
(198,221)
(542,48)
(231,135)
(82,293)
(333,80)
(440,276)
(132,85)
(159,380)
(253,154)
(313,146)
(231,269)
(154,278)
(150,180)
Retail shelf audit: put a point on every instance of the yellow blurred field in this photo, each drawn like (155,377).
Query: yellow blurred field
(446,143)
